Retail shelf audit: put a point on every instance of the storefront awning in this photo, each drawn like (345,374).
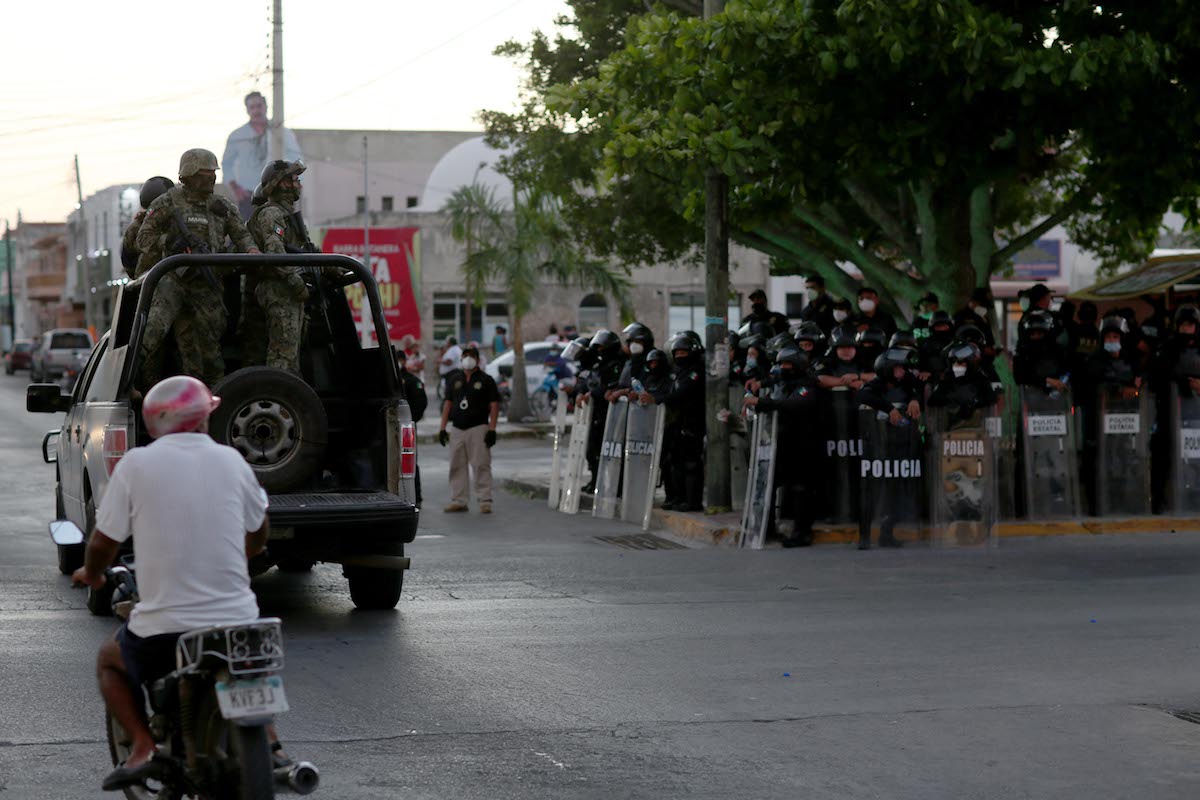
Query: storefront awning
(1164,269)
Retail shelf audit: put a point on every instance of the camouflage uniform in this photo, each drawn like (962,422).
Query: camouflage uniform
(186,302)
(273,300)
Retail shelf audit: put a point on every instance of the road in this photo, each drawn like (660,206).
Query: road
(529,659)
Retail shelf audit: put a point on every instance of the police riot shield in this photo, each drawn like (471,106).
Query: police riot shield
(576,459)
(643,441)
(843,449)
(890,474)
(1124,420)
(1050,454)
(739,448)
(963,511)
(760,484)
(1185,453)
(558,457)
(612,456)
(1002,422)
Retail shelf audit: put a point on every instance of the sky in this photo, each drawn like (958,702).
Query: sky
(131,84)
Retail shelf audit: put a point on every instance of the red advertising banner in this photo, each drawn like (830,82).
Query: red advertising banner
(396,265)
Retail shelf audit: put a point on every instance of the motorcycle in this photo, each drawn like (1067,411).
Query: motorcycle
(209,717)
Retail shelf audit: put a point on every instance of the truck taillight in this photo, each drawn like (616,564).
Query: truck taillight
(408,450)
(116,442)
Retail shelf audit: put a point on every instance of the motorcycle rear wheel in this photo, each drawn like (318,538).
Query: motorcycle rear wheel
(250,775)
(119,746)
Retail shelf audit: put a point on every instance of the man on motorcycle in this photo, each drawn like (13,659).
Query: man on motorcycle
(197,514)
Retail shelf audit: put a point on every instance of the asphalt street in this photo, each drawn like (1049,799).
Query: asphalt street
(530,658)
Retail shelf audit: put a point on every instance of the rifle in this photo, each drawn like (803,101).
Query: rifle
(188,242)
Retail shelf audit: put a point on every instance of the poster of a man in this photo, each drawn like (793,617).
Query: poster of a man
(246,152)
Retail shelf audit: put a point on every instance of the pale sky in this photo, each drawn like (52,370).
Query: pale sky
(131,84)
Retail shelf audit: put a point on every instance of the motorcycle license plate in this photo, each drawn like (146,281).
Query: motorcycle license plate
(254,697)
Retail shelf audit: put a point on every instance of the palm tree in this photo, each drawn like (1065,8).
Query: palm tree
(520,249)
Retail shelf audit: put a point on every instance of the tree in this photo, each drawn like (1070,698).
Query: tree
(520,249)
(926,142)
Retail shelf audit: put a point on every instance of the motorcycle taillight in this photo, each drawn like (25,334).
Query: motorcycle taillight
(408,450)
(116,442)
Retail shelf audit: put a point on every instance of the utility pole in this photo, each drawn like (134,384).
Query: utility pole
(366,311)
(88,301)
(275,146)
(716,321)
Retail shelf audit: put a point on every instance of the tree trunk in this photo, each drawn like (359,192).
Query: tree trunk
(518,402)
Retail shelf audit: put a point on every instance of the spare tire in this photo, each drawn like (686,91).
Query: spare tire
(275,420)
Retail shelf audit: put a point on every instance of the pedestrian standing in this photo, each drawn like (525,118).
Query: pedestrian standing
(500,340)
(471,408)
(418,401)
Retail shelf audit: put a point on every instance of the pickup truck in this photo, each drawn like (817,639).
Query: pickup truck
(335,449)
(59,353)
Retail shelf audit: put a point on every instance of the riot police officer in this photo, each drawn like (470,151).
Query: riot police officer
(819,309)
(798,458)
(1039,360)
(639,340)
(685,431)
(1107,368)
(603,378)
(760,314)
(934,344)
(811,339)
(418,401)
(871,342)
(190,218)
(963,389)
(839,366)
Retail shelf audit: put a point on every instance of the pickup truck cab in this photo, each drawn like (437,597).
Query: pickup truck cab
(335,449)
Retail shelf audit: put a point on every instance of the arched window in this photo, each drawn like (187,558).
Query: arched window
(593,313)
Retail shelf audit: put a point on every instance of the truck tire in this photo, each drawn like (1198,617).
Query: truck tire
(275,420)
(375,589)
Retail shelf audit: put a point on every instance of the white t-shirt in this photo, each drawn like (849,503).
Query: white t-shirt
(454,355)
(188,502)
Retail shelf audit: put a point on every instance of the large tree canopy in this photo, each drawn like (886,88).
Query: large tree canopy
(924,141)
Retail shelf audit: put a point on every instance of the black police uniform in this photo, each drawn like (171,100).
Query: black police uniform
(470,401)
(820,311)
(880,319)
(962,397)
(1037,361)
(759,314)
(885,394)
(634,369)
(603,378)
(799,464)
(418,401)
(1102,369)
(683,438)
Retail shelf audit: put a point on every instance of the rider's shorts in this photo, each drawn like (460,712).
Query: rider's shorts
(146,659)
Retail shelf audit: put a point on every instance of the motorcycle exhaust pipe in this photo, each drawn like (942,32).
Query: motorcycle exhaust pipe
(301,777)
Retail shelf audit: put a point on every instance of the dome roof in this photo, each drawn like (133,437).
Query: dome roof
(469,162)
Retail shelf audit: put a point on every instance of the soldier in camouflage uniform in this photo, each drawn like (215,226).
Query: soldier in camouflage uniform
(134,261)
(187,302)
(273,300)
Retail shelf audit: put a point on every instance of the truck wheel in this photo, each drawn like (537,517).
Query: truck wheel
(375,589)
(275,420)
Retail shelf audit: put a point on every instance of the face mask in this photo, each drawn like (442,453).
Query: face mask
(1024,303)
(469,363)
(981,312)
(759,308)
(636,348)
(751,362)
(202,184)
(866,305)
(1112,347)
(959,370)
(813,294)
(840,316)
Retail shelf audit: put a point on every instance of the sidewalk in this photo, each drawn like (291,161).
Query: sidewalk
(427,431)
(721,530)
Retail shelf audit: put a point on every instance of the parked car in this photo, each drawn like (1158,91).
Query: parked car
(501,367)
(19,357)
(335,450)
(60,351)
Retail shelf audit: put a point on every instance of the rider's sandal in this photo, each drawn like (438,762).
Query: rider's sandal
(123,776)
(279,761)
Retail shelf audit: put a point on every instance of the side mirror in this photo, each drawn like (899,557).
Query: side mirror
(46,398)
(65,533)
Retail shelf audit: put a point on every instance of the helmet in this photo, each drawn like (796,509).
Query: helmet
(177,405)
(753,340)
(275,171)
(1037,320)
(962,350)
(605,341)
(842,337)
(196,159)
(970,333)
(687,340)
(1187,314)
(894,357)
(1114,324)
(695,337)
(152,188)
(940,317)
(258,197)
(795,356)
(811,332)
(637,332)
(903,340)
(659,358)
(571,351)
(778,342)
(870,336)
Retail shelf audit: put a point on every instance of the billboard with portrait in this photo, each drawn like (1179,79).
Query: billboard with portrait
(396,265)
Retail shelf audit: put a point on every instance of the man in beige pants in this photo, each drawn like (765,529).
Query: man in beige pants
(471,408)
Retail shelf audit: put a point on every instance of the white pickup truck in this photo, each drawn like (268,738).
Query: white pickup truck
(335,450)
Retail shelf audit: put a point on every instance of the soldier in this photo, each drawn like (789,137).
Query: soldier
(133,260)
(273,301)
(189,218)
(684,434)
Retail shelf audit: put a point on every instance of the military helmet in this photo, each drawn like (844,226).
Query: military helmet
(1114,324)
(842,337)
(152,188)
(870,335)
(196,159)
(795,356)
(811,332)
(277,170)
(970,333)
(962,350)
(258,197)
(904,340)
(1037,320)
(604,340)
(637,332)
(894,357)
